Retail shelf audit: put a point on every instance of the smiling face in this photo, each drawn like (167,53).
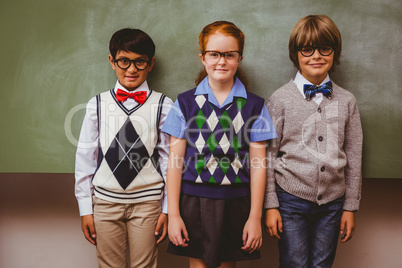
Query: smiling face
(316,67)
(317,31)
(221,72)
(131,78)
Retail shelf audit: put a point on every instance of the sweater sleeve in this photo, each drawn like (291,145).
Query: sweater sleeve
(353,149)
(271,199)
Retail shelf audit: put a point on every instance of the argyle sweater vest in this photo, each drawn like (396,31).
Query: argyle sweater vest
(127,169)
(216,163)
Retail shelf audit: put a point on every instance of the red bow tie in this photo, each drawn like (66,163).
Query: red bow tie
(139,96)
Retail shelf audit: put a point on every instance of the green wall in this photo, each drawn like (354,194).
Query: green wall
(54,59)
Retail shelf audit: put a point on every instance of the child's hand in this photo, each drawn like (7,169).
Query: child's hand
(88,227)
(177,230)
(347,226)
(273,222)
(162,223)
(252,235)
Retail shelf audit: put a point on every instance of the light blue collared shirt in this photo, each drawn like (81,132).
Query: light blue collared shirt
(262,129)
(238,90)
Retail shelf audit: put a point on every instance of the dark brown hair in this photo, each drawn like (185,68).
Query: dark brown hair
(132,40)
(315,30)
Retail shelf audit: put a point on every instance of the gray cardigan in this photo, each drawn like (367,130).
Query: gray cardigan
(317,155)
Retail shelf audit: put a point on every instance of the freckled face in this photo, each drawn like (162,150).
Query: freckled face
(131,78)
(221,72)
(316,67)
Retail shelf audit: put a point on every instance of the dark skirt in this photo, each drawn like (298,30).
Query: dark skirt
(215,229)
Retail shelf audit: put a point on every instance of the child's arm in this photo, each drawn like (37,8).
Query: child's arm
(353,146)
(88,227)
(347,226)
(177,230)
(273,219)
(273,222)
(85,167)
(252,233)
(86,158)
(163,150)
(161,224)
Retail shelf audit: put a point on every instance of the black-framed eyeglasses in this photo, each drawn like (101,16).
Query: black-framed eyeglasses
(213,56)
(308,51)
(125,63)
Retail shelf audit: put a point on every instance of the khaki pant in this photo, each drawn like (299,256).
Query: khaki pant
(125,233)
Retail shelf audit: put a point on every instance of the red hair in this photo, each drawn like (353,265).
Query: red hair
(226,28)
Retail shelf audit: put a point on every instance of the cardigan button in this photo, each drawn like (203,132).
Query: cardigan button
(319,110)
(320,138)
(319,197)
(322,169)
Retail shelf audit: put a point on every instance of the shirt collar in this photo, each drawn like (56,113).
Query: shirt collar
(300,81)
(238,90)
(142,87)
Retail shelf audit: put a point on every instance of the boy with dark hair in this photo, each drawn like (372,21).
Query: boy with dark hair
(121,160)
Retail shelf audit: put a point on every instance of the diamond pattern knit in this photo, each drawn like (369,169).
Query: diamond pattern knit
(222,140)
(128,170)
(127,154)
(217,153)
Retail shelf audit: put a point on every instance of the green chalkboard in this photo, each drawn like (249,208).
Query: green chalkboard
(54,59)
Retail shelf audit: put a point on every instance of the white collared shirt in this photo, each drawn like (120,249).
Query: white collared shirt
(300,81)
(86,156)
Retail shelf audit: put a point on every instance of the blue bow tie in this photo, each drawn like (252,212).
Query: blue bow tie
(311,90)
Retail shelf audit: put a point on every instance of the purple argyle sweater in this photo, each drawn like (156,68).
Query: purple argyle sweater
(217,156)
